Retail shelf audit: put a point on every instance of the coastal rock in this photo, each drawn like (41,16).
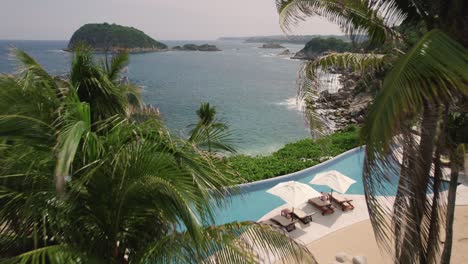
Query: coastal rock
(271,46)
(285,52)
(359,260)
(303,55)
(349,83)
(193,47)
(341,257)
(345,107)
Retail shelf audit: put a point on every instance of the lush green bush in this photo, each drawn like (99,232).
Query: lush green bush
(294,156)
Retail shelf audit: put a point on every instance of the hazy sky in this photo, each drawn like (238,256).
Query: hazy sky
(161,19)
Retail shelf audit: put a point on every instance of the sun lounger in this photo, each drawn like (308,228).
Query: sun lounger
(344,202)
(297,214)
(324,206)
(288,224)
(302,216)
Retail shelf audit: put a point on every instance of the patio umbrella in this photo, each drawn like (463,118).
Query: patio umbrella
(293,193)
(333,179)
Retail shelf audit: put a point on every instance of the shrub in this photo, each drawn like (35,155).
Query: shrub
(294,156)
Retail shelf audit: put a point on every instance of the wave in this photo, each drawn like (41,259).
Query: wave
(56,51)
(292,103)
(269,55)
(261,150)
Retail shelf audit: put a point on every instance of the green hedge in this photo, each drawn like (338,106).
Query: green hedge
(294,156)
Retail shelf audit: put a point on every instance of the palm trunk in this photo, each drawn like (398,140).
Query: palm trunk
(412,243)
(432,244)
(60,185)
(400,206)
(452,195)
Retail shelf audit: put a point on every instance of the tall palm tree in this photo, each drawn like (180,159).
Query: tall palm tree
(210,133)
(424,80)
(129,191)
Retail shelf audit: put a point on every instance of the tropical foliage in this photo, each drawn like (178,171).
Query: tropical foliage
(294,156)
(209,133)
(406,129)
(89,175)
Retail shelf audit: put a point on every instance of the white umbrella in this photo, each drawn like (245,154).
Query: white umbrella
(333,179)
(293,193)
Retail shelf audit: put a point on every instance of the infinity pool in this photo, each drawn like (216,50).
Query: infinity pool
(255,202)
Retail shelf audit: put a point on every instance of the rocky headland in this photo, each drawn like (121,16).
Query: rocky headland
(317,46)
(193,47)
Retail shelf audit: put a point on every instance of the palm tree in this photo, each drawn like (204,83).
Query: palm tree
(128,191)
(423,82)
(209,132)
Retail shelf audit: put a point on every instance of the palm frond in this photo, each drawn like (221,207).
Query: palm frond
(244,242)
(117,65)
(433,70)
(69,138)
(354,17)
(429,75)
(94,87)
(52,254)
(214,136)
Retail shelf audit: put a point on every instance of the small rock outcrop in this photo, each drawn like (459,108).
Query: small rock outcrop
(193,47)
(271,46)
(285,52)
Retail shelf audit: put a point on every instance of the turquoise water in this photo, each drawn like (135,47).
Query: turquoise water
(252,88)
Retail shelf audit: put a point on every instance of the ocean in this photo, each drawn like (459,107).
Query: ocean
(253,89)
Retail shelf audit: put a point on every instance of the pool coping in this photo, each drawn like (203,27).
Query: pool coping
(251,186)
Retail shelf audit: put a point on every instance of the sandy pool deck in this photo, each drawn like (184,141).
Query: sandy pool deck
(352,233)
(358,240)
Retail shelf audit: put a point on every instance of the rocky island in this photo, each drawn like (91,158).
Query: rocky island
(114,38)
(193,47)
(271,46)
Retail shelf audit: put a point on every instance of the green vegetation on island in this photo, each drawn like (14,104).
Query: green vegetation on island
(294,156)
(114,38)
(317,46)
